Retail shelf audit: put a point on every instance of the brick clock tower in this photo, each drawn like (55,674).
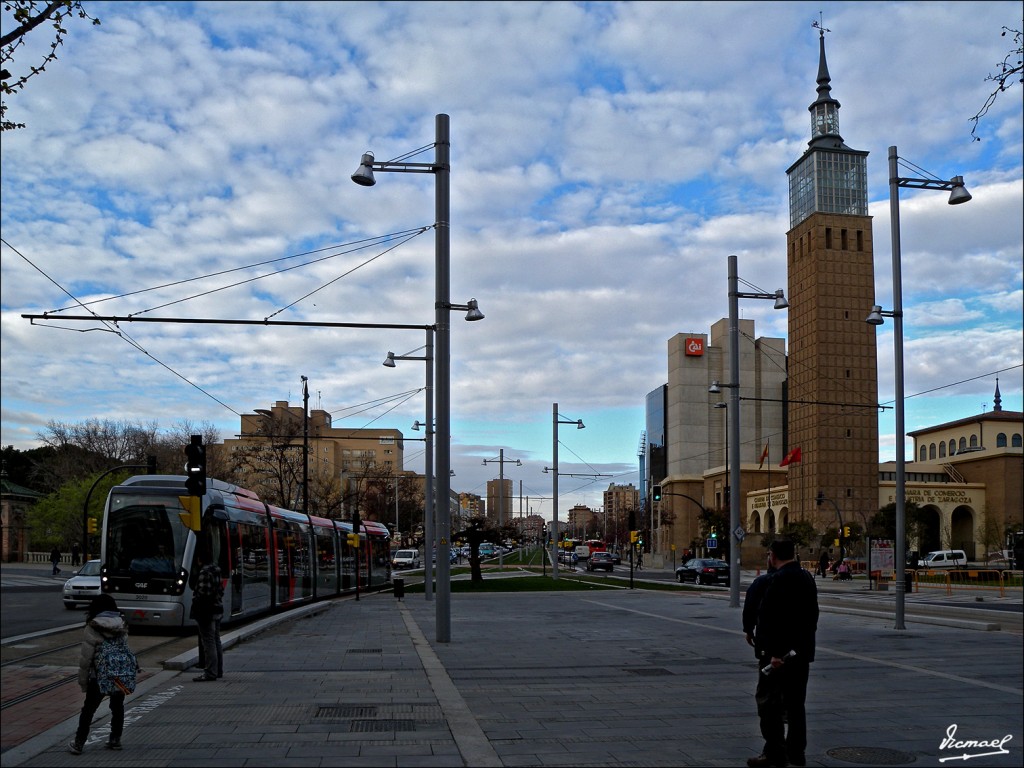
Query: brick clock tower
(833,370)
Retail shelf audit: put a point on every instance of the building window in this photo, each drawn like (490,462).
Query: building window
(963,445)
(974,441)
(931,451)
(1015,441)
(923,452)
(952,447)
(942,450)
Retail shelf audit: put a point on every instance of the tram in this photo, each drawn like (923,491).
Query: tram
(271,558)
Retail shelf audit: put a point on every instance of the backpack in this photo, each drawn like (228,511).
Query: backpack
(116,666)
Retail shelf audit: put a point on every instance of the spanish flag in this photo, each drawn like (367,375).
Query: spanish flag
(764,455)
(792,457)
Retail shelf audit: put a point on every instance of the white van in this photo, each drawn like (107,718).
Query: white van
(406,558)
(943,558)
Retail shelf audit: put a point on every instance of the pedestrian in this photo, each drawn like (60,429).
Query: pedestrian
(207,611)
(787,621)
(103,621)
(76,554)
(55,560)
(823,564)
(752,602)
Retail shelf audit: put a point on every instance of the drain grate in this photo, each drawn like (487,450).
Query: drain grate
(381,726)
(649,671)
(347,712)
(871,755)
(365,650)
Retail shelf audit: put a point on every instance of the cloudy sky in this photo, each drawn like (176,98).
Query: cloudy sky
(193,160)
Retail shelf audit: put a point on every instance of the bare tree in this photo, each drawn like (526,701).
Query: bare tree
(1009,69)
(26,16)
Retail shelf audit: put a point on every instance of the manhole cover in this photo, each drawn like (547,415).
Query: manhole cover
(346,712)
(381,726)
(871,755)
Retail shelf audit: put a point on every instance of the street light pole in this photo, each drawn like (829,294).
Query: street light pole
(555,421)
(957,194)
(733,418)
(428,464)
(501,496)
(441,168)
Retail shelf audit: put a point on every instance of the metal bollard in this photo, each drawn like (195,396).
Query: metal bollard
(399,588)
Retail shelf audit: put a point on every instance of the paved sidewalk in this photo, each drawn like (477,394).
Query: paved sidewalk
(597,678)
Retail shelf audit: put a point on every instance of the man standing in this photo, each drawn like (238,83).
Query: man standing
(784,643)
(207,610)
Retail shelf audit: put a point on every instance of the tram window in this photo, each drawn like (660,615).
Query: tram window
(144,535)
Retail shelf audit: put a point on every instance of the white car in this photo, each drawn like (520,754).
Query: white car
(81,588)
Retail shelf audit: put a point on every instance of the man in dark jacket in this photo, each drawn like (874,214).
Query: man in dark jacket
(208,610)
(784,642)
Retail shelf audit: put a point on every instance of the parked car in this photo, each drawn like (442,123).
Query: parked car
(600,561)
(704,571)
(406,558)
(81,588)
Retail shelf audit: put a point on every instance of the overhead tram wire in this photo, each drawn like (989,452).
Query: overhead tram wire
(362,244)
(116,330)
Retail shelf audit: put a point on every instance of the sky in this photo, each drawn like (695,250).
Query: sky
(193,160)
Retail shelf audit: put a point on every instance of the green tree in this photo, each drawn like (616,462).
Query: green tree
(25,16)
(56,519)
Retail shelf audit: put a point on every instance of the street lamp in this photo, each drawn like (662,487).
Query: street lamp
(957,194)
(501,461)
(733,458)
(441,168)
(555,421)
(428,501)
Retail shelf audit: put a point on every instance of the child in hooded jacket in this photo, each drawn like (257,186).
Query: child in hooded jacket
(103,621)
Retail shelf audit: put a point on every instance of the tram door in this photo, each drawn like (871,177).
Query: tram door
(236,558)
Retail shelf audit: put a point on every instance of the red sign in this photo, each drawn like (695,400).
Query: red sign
(694,347)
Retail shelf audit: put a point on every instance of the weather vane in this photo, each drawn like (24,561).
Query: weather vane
(820,24)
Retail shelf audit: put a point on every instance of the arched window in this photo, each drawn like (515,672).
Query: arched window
(923,452)
(952,447)
(1001,440)
(942,450)
(974,441)
(962,445)
(931,451)
(1015,441)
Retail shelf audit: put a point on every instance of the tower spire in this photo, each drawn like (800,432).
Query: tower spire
(825,110)
(998,401)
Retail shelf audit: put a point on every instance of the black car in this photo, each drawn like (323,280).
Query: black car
(600,560)
(704,571)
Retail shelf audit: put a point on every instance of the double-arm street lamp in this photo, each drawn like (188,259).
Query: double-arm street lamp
(501,461)
(556,419)
(733,412)
(957,194)
(428,468)
(441,168)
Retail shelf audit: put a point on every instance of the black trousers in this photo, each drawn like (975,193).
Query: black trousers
(209,643)
(93,698)
(780,700)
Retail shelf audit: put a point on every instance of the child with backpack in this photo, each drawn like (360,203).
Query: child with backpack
(106,667)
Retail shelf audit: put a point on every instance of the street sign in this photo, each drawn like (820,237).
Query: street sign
(739,533)
(712,543)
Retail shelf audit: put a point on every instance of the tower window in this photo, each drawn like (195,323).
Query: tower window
(828,237)
(845,241)
(860,240)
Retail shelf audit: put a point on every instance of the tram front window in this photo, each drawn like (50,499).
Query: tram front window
(145,536)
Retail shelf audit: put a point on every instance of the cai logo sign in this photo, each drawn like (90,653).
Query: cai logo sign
(694,347)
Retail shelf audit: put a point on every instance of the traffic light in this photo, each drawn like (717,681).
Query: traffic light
(656,493)
(353,540)
(634,536)
(846,531)
(92,526)
(195,467)
(714,533)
